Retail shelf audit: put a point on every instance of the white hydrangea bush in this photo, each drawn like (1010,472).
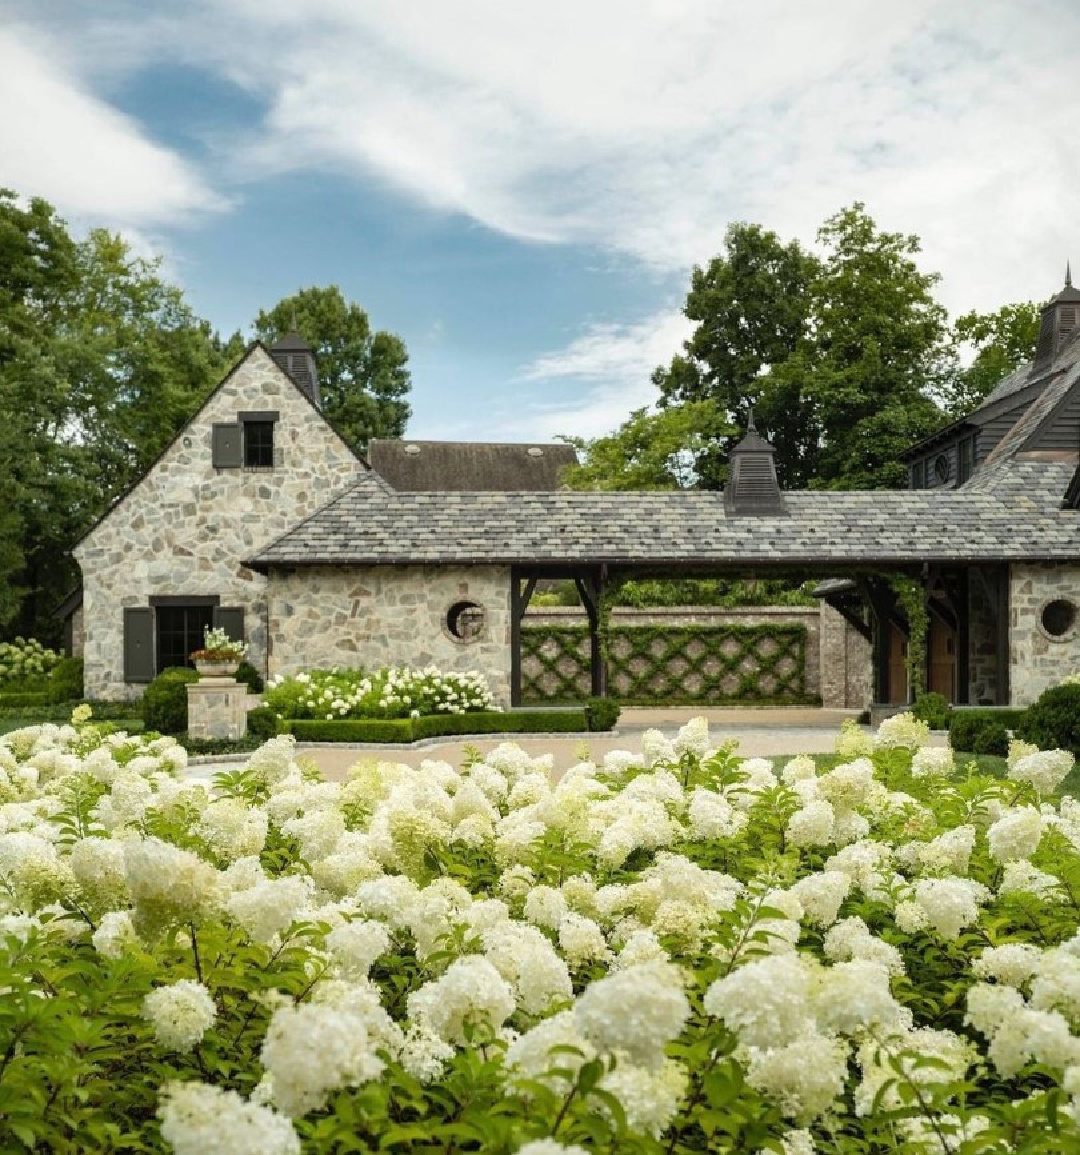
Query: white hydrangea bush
(666,950)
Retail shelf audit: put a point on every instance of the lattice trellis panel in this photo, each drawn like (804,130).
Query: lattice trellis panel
(689,664)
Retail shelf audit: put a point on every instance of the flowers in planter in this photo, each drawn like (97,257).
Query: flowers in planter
(219,647)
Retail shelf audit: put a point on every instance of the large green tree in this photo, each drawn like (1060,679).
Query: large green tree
(839,354)
(363,375)
(649,450)
(101,363)
(751,308)
(998,342)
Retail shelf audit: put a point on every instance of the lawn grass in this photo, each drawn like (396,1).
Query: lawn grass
(59,716)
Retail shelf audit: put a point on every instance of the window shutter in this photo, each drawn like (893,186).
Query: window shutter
(138,645)
(231,620)
(227,447)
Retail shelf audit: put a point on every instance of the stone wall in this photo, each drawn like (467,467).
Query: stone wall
(186,526)
(983,650)
(846,663)
(1038,660)
(375,616)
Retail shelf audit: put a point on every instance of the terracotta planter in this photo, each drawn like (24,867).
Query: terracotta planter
(217,668)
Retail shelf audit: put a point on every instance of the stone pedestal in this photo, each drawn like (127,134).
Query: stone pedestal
(217,708)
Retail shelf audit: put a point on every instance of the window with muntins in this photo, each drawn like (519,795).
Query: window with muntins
(180,630)
(258,444)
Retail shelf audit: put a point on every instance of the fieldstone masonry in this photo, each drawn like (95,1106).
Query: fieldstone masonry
(1037,659)
(185,527)
(375,616)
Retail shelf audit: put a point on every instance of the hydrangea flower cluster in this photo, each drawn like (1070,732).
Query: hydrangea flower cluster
(392,692)
(880,947)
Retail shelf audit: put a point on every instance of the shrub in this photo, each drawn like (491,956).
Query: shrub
(349,729)
(933,709)
(965,726)
(20,700)
(392,692)
(262,722)
(66,680)
(992,738)
(1053,720)
(251,677)
(164,705)
(25,664)
(601,713)
(506,722)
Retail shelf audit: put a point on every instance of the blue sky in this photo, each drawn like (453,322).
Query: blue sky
(520,190)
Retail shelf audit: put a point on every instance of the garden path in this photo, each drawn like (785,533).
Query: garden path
(761,733)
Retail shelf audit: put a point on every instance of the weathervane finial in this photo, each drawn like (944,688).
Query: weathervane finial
(750,426)
(1068,275)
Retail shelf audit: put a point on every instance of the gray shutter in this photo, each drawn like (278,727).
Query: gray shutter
(138,645)
(227,447)
(231,620)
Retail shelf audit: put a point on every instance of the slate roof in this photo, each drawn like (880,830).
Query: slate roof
(457,466)
(1021,517)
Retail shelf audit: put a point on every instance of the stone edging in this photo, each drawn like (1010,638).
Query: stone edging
(419,744)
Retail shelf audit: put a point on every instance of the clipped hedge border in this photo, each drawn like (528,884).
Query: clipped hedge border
(435,726)
(21,701)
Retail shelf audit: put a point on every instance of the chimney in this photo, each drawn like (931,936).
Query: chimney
(752,489)
(1060,318)
(295,358)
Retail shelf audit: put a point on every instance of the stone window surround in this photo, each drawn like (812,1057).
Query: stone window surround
(472,639)
(1071,633)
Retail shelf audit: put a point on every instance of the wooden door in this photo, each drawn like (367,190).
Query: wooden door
(898,678)
(941,651)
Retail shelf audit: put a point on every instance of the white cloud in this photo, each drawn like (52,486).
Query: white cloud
(609,366)
(59,141)
(646,128)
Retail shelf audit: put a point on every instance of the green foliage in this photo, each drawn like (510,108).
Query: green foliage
(1052,721)
(25,664)
(262,722)
(992,738)
(391,692)
(205,746)
(602,713)
(363,375)
(251,677)
(839,356)
(735,663)
(912,598)
(436,726)
(164,703)
(19,700)
(1000,341)
(66,680)
(101,363)
(649,450)
(647,592)
(933,709)
(965,726)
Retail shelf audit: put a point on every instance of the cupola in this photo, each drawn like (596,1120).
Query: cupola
(296,358)
(1060,318)
(752,489)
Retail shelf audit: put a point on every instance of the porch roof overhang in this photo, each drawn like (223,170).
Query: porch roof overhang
(1020,518)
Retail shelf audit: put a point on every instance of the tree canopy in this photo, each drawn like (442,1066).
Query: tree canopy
(102,362)
(363,375)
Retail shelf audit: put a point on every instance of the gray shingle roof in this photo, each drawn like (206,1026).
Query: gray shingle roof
(441,466)
(1020,517)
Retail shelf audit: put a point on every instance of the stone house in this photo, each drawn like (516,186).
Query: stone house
(259,517)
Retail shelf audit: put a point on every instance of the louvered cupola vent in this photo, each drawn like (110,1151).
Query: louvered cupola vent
(1060,317)
(294,355)
(752,489)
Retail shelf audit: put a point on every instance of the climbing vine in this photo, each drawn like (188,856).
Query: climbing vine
(912,598)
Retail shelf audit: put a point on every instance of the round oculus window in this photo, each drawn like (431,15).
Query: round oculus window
(1058,617)
(465,621)
(942,467)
